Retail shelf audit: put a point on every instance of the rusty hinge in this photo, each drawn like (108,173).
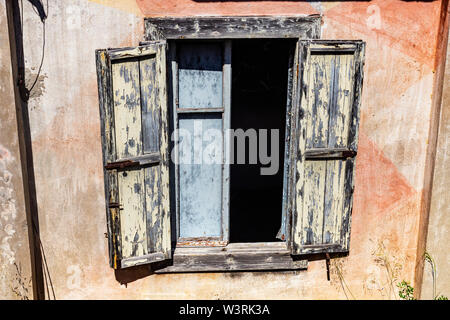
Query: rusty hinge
(121,164)
(349,153)
(114,205)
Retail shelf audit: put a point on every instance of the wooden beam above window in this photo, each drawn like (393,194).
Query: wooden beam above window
(228,27)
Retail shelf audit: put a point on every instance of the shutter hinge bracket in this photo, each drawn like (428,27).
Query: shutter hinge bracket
(115,205)
(349,154)
(121,164)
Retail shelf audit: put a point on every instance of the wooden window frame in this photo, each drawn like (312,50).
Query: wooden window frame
(270,256)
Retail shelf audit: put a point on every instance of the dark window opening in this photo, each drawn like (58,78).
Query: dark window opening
(259,92)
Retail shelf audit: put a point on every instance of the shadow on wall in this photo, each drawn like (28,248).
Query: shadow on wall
(125,276)
(131,274)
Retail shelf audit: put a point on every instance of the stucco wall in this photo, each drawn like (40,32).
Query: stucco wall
(15,267)
(396,112)
(439,221)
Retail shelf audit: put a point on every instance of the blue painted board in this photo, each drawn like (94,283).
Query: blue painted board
(200,175)
(200,75)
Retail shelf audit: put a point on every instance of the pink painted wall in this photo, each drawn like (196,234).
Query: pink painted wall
(390,175)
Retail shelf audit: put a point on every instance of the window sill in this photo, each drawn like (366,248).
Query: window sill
(234,257)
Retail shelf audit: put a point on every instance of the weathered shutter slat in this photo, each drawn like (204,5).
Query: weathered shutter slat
(327,113)
(133,214)
(320,76)
(343,66)
(313,201)
(127,121)
(127,108)
(333,202)
(150,104)
(133,109)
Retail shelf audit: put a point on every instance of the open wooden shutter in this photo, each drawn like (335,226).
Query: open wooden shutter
(133,111)
(325,144)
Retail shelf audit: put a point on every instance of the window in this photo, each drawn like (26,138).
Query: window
(191,203)
(201,94)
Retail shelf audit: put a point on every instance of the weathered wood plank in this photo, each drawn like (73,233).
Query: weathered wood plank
(124,53)
(319,86)
(173,90)
(313,201)
(298,136)
(133,215)
(151,110)
(348,204)
(357,91)
(149,104)
(114,225)
(106,107)
(283,233)
(145,259)
(234,262)
(234,257)
(201,242)
(334,201)
(328,248)
(153,208)
(166,246)
(341,99)
(157,177)
(306,27)
(127,108)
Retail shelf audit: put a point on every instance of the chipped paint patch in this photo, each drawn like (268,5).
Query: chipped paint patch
(39,87)
(8,209)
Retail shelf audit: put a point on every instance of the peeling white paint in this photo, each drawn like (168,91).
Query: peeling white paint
(74,279)
(8,208)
